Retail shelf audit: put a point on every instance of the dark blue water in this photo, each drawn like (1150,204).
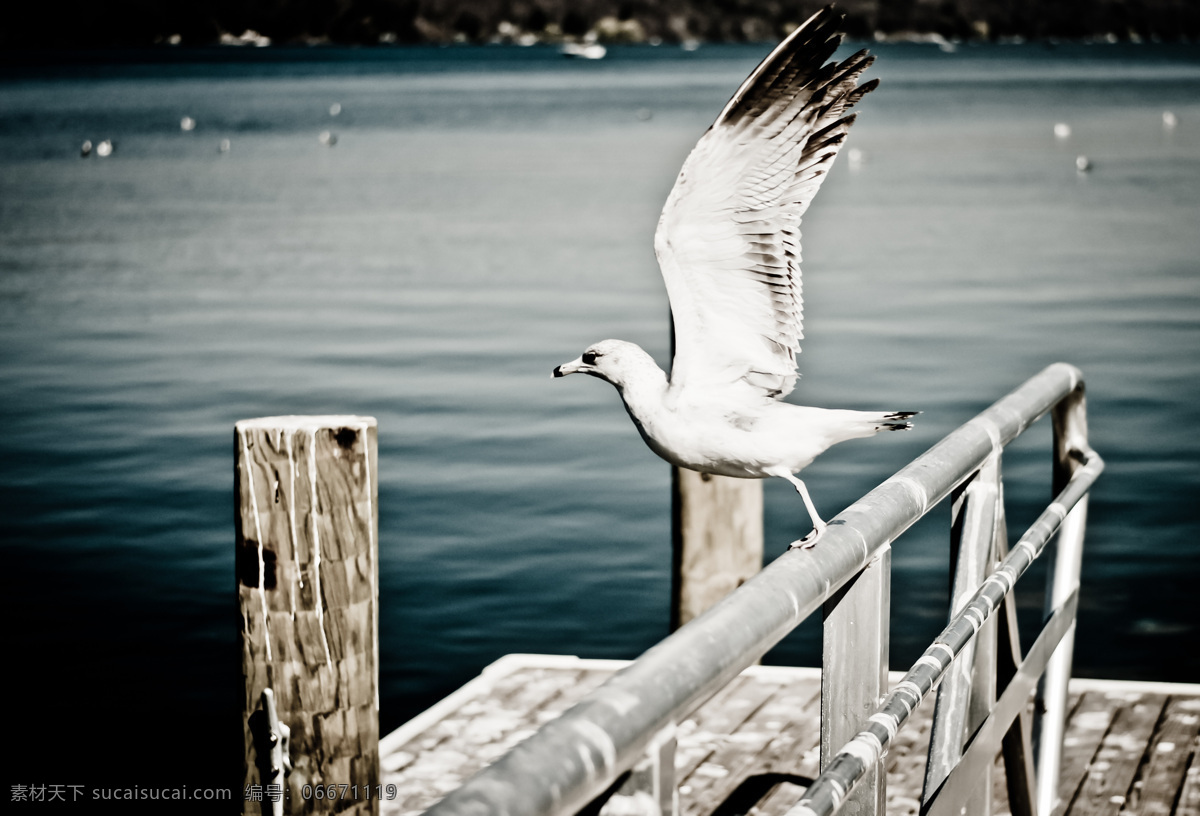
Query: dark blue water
(484,216)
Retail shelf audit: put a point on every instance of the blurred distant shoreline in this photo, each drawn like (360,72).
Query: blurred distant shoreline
(74,24)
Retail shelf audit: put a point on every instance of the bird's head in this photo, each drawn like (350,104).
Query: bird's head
(614,361)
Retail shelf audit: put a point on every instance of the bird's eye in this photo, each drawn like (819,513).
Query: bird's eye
(589,357)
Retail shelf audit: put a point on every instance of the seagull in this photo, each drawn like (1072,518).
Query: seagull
(728,245)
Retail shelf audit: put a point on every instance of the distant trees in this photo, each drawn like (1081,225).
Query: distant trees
(85,23)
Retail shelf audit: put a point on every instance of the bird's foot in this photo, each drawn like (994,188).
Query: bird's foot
(810,540)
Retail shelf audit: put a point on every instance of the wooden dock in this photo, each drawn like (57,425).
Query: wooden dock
(1130,748)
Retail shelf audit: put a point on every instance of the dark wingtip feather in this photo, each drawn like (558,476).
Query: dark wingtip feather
(862,90)
(803,52)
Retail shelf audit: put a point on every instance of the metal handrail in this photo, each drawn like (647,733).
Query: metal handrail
(573,759)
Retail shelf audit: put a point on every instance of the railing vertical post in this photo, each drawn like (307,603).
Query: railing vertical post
(854,667)
(307,555)
(1017,747)
(1070,440)
(968,691)
(650,789)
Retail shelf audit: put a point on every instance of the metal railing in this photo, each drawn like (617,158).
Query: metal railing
(628,724)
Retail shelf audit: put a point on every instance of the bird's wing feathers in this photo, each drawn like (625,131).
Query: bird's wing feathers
(728,240)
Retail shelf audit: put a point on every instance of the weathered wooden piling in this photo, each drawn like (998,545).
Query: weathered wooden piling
(716,537)
(307,561)
(717,531)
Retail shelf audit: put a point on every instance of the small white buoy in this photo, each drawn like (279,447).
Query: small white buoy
(85,149)
(328,139)
(335,108)
(105,148)
(1169,120)
(224,146)
(1062,131)
(1083,164)
(645,114)
(586,50)
(187,123)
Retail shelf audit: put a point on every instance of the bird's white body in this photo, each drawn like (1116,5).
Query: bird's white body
(727,437)
(728,244)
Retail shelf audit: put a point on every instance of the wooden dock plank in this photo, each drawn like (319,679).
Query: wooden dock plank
(499,695)
(1189,796)
(999,778)
(1128,748)
(739,755)
(796,750)
(482,729)
(1087,723)
(1110,776)
(1160,777)
(781,798)
(717,718)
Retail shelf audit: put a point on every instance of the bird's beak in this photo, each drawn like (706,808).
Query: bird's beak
(572,367)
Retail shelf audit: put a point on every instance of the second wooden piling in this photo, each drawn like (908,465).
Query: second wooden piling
(717,528)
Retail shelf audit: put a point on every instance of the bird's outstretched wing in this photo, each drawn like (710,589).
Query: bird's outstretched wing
(728,240)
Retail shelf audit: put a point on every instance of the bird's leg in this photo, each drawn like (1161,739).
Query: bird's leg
(818,525)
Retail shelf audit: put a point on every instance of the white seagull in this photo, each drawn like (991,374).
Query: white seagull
(728,244)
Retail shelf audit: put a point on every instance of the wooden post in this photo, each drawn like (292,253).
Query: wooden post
(717,532)
(307,524)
